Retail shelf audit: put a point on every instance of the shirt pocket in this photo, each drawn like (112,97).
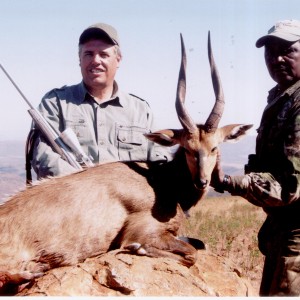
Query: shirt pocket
(79,125)
(132,144)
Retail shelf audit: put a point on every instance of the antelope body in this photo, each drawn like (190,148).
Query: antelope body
(132,205)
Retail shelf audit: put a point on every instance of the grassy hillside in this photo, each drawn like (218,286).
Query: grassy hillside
(228,226)
(12,167)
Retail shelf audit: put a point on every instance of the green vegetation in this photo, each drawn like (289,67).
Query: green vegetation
(228,226)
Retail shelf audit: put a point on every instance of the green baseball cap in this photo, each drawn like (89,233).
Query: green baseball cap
(288,30)
(100,31)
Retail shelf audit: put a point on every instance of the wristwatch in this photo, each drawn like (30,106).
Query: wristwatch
(226,182)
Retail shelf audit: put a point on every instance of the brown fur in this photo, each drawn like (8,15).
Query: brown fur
(62,221)
(134,206)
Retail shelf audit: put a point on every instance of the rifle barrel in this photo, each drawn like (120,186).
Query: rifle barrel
(47,130)
(15,85)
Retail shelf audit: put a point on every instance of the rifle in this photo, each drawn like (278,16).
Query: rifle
(64,143)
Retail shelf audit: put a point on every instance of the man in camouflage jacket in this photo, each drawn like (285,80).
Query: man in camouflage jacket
(272,179)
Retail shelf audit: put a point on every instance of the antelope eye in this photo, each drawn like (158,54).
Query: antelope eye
(214,149)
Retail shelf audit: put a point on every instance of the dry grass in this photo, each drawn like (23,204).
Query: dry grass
(228,226)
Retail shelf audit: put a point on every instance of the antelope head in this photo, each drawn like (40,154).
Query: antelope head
(199,141)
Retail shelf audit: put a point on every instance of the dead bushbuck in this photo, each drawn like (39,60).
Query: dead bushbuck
(136,206)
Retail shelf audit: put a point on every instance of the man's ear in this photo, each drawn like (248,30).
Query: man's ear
(167,137)
(233,132)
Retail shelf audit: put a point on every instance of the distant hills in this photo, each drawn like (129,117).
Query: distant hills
(234,156)
(12,167)
(12,162)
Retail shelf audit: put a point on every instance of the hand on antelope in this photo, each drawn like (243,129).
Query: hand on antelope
(217,175)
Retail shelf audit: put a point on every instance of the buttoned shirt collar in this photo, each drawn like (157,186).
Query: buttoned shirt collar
(114,100)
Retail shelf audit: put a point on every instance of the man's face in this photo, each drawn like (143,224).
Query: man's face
(99,62)
(283,61)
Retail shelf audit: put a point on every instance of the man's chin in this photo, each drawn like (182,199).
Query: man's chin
(284,79)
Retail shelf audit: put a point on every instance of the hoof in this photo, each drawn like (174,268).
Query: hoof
(26,275)
(133,247)
(10,283)
(136,248)
(197,244)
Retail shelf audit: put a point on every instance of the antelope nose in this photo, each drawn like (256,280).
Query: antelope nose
(201,184)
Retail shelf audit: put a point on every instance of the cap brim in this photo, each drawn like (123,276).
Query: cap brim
(91,33)
(282,36)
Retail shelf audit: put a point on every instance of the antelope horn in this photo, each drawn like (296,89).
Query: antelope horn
(183,116)
(214,118)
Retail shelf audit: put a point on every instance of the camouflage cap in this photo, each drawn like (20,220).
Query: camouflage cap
(100,31)
(288,30)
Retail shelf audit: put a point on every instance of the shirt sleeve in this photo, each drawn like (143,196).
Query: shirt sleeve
(263,189)
(45,161)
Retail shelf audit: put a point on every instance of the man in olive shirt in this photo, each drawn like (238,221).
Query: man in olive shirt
(108,122)
(272,179)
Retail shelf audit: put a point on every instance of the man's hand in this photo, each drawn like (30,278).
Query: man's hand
(217,176)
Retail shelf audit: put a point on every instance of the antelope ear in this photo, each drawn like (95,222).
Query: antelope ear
(234,132)
(167,137)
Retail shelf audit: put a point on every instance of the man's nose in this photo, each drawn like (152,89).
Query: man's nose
(280,58)
(97,58)
(275,60)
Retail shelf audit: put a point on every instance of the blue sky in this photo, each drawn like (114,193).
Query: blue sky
(39,50)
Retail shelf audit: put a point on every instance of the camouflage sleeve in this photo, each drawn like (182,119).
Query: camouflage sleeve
(262,189)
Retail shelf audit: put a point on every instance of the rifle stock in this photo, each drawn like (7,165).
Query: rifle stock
(55,141)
